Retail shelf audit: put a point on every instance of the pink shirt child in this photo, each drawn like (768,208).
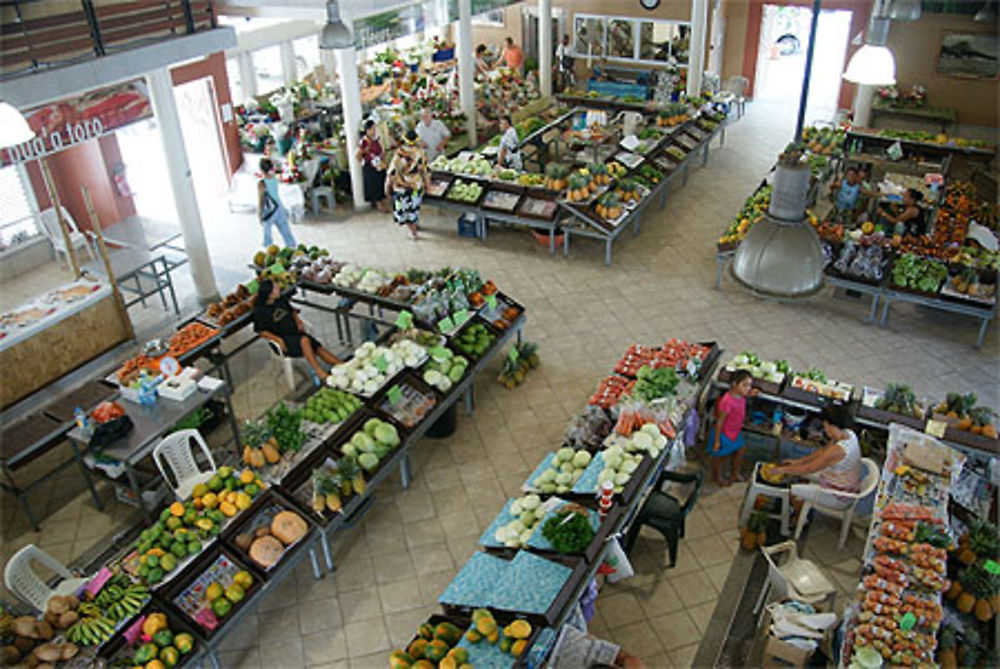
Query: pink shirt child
(735,409)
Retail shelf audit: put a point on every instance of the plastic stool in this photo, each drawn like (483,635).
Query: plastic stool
(754,488)
(321,193)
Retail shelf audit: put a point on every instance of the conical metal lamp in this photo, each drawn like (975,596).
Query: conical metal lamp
(781,257)
(335,35)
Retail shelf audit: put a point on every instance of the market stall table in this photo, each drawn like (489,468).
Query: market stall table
(985,312)
(139,266)
(140,232)
(150,424)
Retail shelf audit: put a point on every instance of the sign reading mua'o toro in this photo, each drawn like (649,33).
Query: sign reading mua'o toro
(65,123)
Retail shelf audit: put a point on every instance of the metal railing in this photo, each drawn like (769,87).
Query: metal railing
(30,44)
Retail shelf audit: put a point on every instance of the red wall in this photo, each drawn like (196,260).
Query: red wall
(214,66)
(91,163)
(860,11)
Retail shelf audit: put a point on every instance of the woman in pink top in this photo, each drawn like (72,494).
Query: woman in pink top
(512,56)
(726,436)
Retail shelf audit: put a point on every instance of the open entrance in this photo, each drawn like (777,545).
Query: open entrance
(781,59)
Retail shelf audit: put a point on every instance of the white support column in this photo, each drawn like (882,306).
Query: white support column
(696,50)
(288,62)
(545,47)
(350,98)
(463,46)
(863,97)
(329,64)
(248,78)
(161,94)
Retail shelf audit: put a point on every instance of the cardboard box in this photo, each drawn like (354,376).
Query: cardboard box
(778,654)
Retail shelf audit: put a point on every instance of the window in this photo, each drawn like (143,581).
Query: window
(623,38)
(268,69)
(235,82)
(17,215)
(306,56)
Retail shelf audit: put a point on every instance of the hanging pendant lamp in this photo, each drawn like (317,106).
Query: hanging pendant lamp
(873,64)
(14,129)
(335,35)
(781,257)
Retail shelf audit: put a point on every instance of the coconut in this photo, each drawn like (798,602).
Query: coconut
(48,652)
(25,626)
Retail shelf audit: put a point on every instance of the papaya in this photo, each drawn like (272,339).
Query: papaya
(427,631)
(423,664)
(519,629)
(448,633)
(271,454)
(518,647)
(983,610)
(399,659)
(473,635)
(436,650)
(416,648)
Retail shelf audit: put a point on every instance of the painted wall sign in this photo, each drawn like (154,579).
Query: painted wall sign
(60,125)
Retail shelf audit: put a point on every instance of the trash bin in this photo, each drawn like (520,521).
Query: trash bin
(445,425)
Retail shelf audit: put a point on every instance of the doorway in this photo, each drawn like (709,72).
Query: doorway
(199,124)
(781,59)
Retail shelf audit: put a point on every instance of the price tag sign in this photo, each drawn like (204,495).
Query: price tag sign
(252,286)
(380,364)
(460,317)
(491,301)
(446,324)
(276,268)
(992,566)
(908,621)
(936,428)
(394,395)
(100,578)
(404,320)
(438,352)
(134,631)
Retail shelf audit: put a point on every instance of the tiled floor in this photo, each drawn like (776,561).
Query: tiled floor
(392,568)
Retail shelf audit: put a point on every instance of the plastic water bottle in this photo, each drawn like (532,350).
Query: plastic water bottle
(776,421)
(83,422)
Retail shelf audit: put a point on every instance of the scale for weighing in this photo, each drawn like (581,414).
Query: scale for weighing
(179,385)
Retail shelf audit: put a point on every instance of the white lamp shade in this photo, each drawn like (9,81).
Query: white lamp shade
(13,127)
(872,66)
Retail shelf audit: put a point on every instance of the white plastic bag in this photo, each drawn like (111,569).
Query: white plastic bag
(618,560)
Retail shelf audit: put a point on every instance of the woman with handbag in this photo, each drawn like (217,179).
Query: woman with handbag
(269,207)
(371,155)
(407,181)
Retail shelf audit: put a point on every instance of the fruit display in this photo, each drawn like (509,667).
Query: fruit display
(231,307)
(628,191)
(818,384)
(444,369)
(503,314)
(773,372)
(966,283)
(556,176)
(961,412)
(156,642)
(31,642)
(410,407)
(118,599)
(752,211)
(334,482)
(650,175)
(580,187)
(465,191)
(372,366)
(372,443)
(674,354)
(517,365)
(823,140)
(673,114)
(330,406)
(272,530)
(484,644)
(917,273)
(515,523)
(213,594)
(468,164)
(616,169)
(559,471)
(897,399)
(474,340)
(932,138)
(609,207)
(599,174)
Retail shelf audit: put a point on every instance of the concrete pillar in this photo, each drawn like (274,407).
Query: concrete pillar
(288,61)
(545,47)
(863,97)
(696,51)
(466,72)
(161,94)
(329,64)
(350,99)
(247,77)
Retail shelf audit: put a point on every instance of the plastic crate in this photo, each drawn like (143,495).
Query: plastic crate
(467,226)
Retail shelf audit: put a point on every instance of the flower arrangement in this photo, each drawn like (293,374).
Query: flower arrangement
(916,96)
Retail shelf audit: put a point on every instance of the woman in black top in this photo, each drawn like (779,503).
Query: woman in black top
(276,320)
(912,215)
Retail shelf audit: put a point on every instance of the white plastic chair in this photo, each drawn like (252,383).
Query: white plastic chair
(736,86)
(178,453)
(50,226)
(794,577)
(287,363)
(781,493)
(846,515)
(21,579)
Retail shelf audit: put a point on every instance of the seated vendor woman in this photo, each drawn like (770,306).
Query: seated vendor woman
(276,320)
(835,466)
(912,216)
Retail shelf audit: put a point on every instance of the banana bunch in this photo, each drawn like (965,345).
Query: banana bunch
(91,630)
(126,602)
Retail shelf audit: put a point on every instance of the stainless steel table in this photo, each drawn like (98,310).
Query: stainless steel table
(142,268)
(139,232)
(151,423)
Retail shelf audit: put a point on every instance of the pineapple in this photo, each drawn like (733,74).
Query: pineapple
(984,540)
(946,648)
(980,589)
(351,474)
(254,435)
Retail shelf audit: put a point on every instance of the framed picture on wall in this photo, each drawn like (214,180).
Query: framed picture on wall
(492,19)
(968,55)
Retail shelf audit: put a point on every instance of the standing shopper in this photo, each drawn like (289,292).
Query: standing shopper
(370,154)
(433,134)
(726,437)
(564,63)
(269,207)
(510,146)
(406,182)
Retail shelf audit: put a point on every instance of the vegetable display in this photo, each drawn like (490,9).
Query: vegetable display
(569,530)
(917,273)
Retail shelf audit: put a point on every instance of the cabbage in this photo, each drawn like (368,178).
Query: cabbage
(642,441)
(547,488)
(606,475)
(564,479)
(527,518)
(531,502)
(612,461)
(564,454)
(363,442)
(368,460)
(386,434)
(581,459)
(547,476)
(621,478)
(516,507)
